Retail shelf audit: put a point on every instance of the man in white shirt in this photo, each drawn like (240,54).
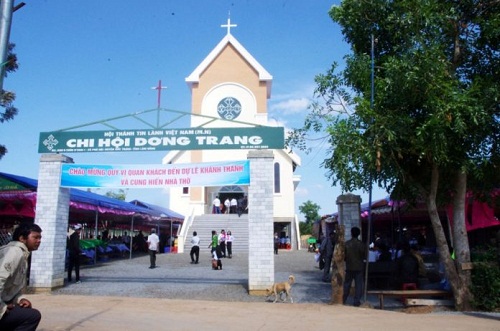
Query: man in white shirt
(216,205)
(222,242)
(195,248)
(234,204)
(153,246)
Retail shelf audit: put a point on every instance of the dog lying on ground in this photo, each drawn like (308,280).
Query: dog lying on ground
(279,288)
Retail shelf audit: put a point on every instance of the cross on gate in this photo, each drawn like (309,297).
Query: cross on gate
(159,88)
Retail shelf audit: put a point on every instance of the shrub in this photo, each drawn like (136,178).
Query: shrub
(486,280)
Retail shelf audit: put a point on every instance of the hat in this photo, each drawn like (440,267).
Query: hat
(77,227)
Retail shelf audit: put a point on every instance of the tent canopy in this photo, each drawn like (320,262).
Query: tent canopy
(165,212)
(18,198)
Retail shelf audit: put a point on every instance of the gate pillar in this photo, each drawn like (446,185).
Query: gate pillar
(52,211)
(260,222)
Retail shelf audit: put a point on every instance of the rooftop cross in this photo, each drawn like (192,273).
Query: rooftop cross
(228,25)
(159,88)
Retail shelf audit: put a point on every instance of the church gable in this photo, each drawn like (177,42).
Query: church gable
(230,66)
(230,46)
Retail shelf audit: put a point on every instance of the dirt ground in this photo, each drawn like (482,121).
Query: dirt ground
(70,312)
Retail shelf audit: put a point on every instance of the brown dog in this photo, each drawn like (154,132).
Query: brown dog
(278,288)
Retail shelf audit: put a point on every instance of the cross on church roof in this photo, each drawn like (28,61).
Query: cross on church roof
(228,25)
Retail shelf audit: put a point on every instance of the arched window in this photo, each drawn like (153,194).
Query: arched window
(277,179)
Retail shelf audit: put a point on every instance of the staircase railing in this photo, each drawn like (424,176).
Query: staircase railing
(181,236)
(297,231)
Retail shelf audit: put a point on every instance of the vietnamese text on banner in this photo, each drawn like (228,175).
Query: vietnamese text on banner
(156,176)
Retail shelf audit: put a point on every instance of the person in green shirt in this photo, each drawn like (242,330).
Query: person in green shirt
(215,241)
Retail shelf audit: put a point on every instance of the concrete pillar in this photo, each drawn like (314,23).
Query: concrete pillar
(52,211)
(260,222)
(349,212)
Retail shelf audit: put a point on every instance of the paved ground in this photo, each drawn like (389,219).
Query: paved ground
(67,312)
(126,295)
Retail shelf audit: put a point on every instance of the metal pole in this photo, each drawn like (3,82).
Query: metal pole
(369,230)
(95,234)
(131,237)
(6,11)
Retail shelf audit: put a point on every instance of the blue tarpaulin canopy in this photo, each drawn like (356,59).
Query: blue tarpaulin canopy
(165,212)
(84,200)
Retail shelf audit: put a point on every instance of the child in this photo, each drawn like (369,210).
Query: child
(216,261)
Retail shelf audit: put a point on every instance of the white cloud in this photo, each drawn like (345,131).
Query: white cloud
(291,106)
(301,192)
(275,122)
(293,101)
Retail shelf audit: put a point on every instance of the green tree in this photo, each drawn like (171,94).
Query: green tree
(305,228)
(121,194)
(7,98)
(310,210)
(433,125)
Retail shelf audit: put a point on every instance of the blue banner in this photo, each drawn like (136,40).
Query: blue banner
(156,176)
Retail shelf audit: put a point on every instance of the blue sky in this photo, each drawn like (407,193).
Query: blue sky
(84,61)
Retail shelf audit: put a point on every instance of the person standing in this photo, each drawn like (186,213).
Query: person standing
(354,264)
(234,205)
(222,242)
(327,246)
(227,206)
(214,243)
(16,312)
(195,248)
(229,244)
(216,205)
(240,206)
(276,243)
(74,253)
(153,246)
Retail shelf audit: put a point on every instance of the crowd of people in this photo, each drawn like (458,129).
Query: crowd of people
(409,265)
(230,205)
(221,246)
(283,242)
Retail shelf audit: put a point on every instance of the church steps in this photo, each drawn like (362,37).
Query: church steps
(204,224)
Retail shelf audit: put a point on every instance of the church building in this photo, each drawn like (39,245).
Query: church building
(229,88)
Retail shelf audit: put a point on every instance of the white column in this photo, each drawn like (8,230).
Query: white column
(260,222)
(52,211)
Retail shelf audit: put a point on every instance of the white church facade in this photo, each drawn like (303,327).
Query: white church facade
(229,88)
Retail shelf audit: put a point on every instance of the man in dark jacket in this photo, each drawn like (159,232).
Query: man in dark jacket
(355,254)
(327,246)
(16,312)
(74,253)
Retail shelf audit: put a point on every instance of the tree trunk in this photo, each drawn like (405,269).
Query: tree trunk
(463,296)
(443,250)
(338,267)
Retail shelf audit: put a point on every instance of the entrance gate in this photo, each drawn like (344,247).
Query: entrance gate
(52,209)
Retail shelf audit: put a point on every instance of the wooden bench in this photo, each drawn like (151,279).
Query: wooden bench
(409,293)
